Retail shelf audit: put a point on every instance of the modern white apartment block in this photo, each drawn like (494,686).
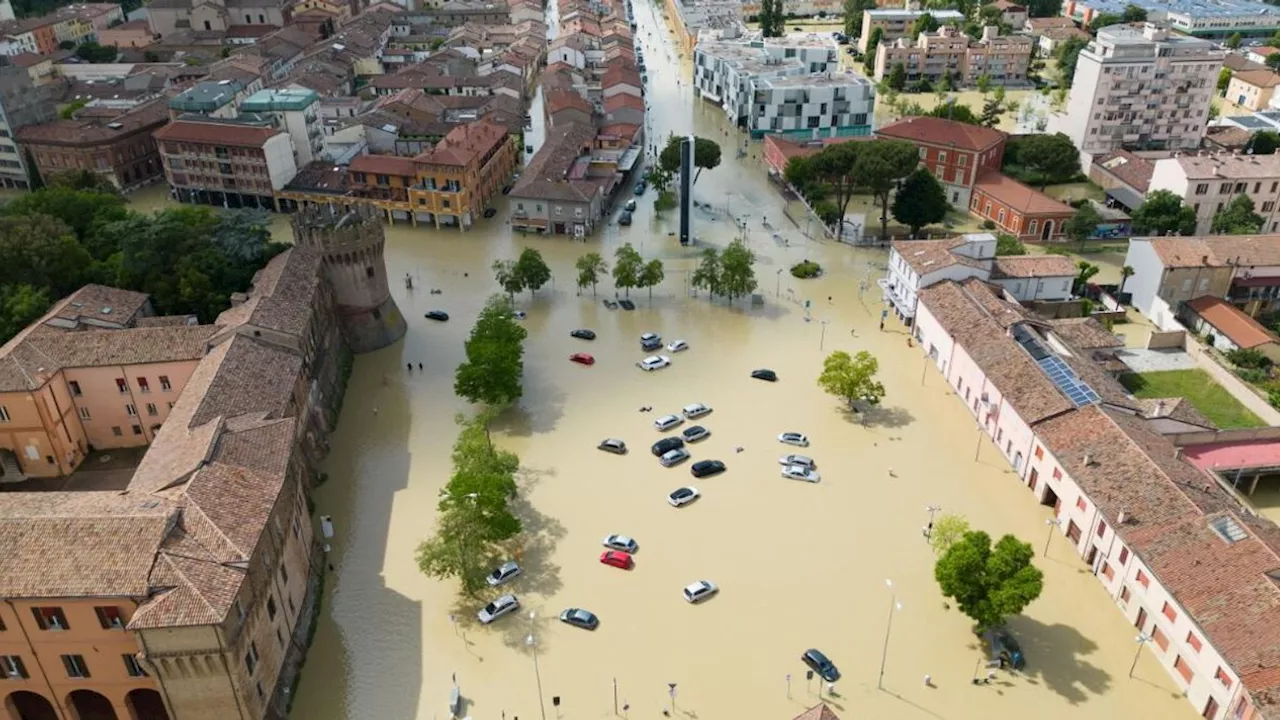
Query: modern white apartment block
(1203,18)
(1209,182)
(894,23)
(1140,88)
(835,104)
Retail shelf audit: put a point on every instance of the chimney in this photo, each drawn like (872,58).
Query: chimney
(1177,453)
(989,33)
(1088,459)
(1122,517)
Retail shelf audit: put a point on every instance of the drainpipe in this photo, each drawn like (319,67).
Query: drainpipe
(57,704)
(1031,446)
(950,359)
(222,650)
(164,691)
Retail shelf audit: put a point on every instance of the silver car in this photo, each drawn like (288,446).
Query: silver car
(801,460)
(696,410)
(654,362)
(799,472)
(699,591)
(666,422)
(504,573)
(674,457)
(621,542)
(794,438)
(498,608)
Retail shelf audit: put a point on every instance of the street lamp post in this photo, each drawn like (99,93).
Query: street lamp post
(777,288)
(1053,523)
(1141,640)
(532,642)
(894,606)
(931,509)
(822,341)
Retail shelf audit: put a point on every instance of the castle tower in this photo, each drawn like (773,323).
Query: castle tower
(351,241)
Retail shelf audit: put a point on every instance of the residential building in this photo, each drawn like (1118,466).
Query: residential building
(1011,13)
(115,145)
(954,152)
(1227,328)
(690,18)
(801,8)
(894,23)
(1260,54)
(1003,59)
(1136,513)
(132,34)
(1208,183)
(1124,177)
(39,67)
(167,17)
(918,264)
(778,151)
(210,99)
(1050,33)
(1017,209)
(224,162)
(1171,271)
(555,195)
(1140,88)
(1253,89)
(832,105)
(297,111)
(1218,20)
(22,103)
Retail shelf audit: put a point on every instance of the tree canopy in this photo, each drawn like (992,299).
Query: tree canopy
(737,271)
(830,171)
(590,267)
(772,18)
(1263,142)
(920,201)
(1162,213)
(881,164)
(1081,226)
(1068,54)
(494,369)
(1041,159)
(627,266)
(989,583)
(1237,218)
(948,530)
(853,10)
(852,378)
(706,155)
(707,275)
(532,270)
(923,24)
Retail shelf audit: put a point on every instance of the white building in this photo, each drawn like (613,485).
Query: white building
(918,264)
(827,105)
(1140,88)
(297,110)
(1208,183)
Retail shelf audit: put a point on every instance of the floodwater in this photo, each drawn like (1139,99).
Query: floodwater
(798,565)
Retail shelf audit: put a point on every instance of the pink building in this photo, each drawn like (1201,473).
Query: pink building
(1193,571)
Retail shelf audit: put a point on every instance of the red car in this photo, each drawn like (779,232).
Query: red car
(617,558)
(582,359)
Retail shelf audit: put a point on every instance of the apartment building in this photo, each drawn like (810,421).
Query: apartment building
(554,194)
(225,162)
(1004,59)
(1209,182)
(462,174)
(831,105)
(894,23)
(297,112)
(1170,272)
(954,152)
(1218,20)
(22,103)
(1140,88)
(76,23)
(115,145)
(1140,517)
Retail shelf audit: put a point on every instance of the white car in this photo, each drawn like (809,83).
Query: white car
(505,573)
(699,591)
(683,496)
(799,472)
(496,609)
(654,362)
(620,542)
(676,346)
(519,315)
(801,460)
(696,410)
(666,422)
(794,438)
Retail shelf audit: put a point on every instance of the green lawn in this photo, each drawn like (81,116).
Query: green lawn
(1205,395)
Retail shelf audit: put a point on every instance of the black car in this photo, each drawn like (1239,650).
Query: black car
(706,468)
(624,218)
(763,374)
(666,445)
(695,433)
(583,334)
(820,664)
(612,305)
(506,189)
(438,315)
(490,212)
(627,304)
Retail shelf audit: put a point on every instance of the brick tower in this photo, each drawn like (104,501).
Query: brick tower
(351,241)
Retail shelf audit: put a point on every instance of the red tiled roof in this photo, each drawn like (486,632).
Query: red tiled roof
(1258,78)
(215,133)
(621,100)
(1127,168)
(26,59)
(618,73)
(939,131)
(464,143)
(1034,266)
(558,100)
(384,165)
(1017,196)
(1229,320)
(622,130)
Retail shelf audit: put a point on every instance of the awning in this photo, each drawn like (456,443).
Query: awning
(1125,198)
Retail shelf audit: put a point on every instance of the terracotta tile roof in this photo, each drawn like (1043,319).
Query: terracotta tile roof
(818,712)
(1017,196)
(212,133)
(465,143)
(1225,166)
(384,165)
(101,302)
(1184,252)
(938,131)
(1263,50)
(616,102)
(1175,408)
(620,74)
(285,294)
(1228,137)
(1217,251)
(1048,22)
(1230,321)
(1084,333)
(547,174)
(26,59)
(256,377)
(1239,62)
(927,256)
(1033,266)
(1127,168)
(96,556)
(621,130)
(165,321)
(559,100)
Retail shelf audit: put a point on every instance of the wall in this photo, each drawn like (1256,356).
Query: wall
(281,165)
(1030,289)
(107,407)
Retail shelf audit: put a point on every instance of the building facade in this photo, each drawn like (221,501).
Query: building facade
(119,147)
(22,103)
(894,23)
(832,105)
(1140,88)
(1208,183)
(1003,59)
(956,153)
(225,163)
(297,111)
(1017,209)
(1220,20)
(1253,89)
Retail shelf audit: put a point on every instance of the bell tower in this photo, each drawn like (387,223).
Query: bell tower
(351,241)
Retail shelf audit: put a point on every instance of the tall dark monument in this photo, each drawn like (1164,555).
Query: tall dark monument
(686,190)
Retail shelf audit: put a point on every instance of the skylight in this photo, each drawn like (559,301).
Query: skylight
(1228,529)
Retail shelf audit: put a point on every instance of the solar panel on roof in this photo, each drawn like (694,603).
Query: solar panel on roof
(1066,380)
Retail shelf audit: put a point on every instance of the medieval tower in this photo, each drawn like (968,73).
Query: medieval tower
(351,241)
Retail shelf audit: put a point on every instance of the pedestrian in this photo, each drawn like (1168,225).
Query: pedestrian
(409,366)
(909,343)
(375,411)
(881,323)
(928,681)
(419,366)
(892,474)
(829,301)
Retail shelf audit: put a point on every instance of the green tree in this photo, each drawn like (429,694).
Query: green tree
(494,367)
(949,529)
(983,83)
(1233,42)
(1263,142)
(993,108)
(590,267)
(1102,20)
(852,378)
(41,251)
(1273,61)
(706,155)
(833,169)
(651,274)
(21,305)
(1068,54)
(532,270)
(952,110)
(869,61)
(92,52)
(665,201)
(627,265)
(1162,213)
(84,211)
(1237,218)
(737,271)
(708,273)
(880,165)
(1042,160)
(1126,272)
(1084,273)
(1224,79)
(1044,8)
(81,180)
(923,24)
(659,178)
(508,277)
(989,584)
(1083,224)
(1134,14)
(1009,245)
(898,77)
(853,10)
(920,201)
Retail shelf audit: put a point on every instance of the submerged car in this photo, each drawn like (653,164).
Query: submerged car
(580,618)
(765,374)
(699,591)
(490,212)
(676,346)
(583,334)
(620,542)
(504,573)
(819,663)
(624,218)
(671,458)
(695,433)
(799,472)
(794,438)
(654,362)
(437,315)
(650,341)
(706,468)
(613,445)
(683,496)
(666,445)
(666,422)
(696,410)
(618,559)
(801,460)
(626,304)
(582,359)
(496,609)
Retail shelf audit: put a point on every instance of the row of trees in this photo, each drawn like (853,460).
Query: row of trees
(76,230)
(729,273)
(629,271)
(831,177)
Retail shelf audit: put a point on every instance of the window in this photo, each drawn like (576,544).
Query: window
(1039,453)
(924,153)
(109,617)
(4,414)
(962,160)
(122,385)
(75,388)
(84,414)
(1057,473)
(152,410)
(251,658)
(271,608)
(942,158)
(1107,571)
(1268,206)
(50,618)
(1031,229)
(1228,529)
(1000,217)
(1143,580)
(1081,504)
(164,383)
(1183,668)
(1124,594)
(131,410)
(1124,555)
(1194,642)
(1159,637)
(75,666)
(143,385)
(1102,528)
(1169,612)
(115,430)
(1202,189)
(11,666)
(132,666)
(1221,676)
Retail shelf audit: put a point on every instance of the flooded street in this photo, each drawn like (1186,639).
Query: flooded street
(798,565)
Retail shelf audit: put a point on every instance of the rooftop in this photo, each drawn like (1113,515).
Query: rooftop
(1217,250)
(1242,330)
(86,129)
(206,96)
(928,256)
(209,132)
(1033,266)
(396,165)
(279,99)
(938,131)
(1223,166)
(1130,169)
(1017,196)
